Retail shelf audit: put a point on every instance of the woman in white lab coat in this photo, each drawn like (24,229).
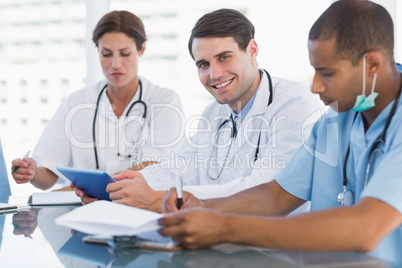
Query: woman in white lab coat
(122,122)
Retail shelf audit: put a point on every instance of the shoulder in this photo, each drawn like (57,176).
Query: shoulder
(158,94)
(84,96)
(294,99)
(214,113)
(331,119)
(214,109)
(287,92)
(287,88)
(87,94)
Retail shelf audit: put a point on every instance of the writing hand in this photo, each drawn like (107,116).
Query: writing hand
(170,201)
(195,228)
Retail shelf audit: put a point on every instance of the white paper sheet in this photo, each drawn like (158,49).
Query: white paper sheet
(107,218)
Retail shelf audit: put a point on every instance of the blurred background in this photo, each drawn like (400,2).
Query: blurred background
(46,53)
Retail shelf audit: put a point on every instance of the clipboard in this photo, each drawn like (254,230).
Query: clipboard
(133,242)
(148,241)
(92,182)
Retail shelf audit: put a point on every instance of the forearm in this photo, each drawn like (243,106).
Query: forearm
(44,178)
(142,165)
(340,229)
(265,199)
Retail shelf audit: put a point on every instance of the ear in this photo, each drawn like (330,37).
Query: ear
(252,49)
(142,49)
(374,62)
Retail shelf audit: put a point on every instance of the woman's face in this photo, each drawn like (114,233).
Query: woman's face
(119,58)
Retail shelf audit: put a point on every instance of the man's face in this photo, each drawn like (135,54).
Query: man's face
(225,70)
(336,81)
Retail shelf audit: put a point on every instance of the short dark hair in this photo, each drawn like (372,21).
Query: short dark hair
(358,26)
(121,22)
(223,23)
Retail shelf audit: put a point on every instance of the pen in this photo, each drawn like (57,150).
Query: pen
(17,167)
(179,189)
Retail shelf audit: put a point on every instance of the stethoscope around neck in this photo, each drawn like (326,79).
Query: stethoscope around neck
(232,136)
(139,101)
(346,198)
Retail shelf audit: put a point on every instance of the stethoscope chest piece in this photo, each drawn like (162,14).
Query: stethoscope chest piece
(346,198)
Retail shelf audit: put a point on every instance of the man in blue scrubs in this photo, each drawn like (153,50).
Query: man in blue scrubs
(356,206)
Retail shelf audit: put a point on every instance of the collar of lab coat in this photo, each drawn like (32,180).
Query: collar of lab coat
(106,111)
(260,103)
(258,108)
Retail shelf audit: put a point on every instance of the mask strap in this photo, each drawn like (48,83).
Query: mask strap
(374,80)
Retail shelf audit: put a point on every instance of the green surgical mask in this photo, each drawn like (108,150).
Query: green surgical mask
(362,102)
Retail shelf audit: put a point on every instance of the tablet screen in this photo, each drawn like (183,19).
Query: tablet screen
(92,182)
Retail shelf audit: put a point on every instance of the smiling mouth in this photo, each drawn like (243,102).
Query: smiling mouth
(218,86)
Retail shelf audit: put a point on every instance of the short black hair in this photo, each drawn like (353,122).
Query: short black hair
(358,26)
(223,23)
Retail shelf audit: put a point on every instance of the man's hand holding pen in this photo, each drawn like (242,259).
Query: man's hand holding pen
(170,201)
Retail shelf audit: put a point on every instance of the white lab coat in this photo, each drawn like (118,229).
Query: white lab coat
(286,123)
(67,140)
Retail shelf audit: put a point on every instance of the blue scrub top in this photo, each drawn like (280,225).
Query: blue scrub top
(315,172)
(5,191)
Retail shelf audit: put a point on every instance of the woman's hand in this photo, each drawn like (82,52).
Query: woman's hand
(26,169)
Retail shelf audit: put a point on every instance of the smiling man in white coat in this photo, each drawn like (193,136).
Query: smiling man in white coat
(244,138)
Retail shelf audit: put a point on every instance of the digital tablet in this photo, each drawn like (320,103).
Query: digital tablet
(92,182)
